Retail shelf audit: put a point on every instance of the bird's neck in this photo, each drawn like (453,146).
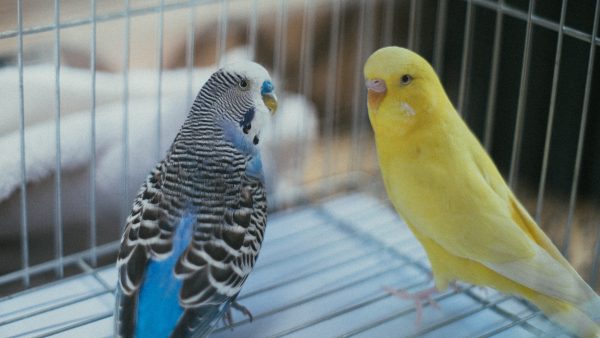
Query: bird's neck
(200,141)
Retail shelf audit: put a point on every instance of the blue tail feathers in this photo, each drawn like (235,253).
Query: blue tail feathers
(158,305)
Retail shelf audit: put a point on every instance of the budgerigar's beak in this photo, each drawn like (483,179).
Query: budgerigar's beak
(270,100)
(376,92)
(268,95)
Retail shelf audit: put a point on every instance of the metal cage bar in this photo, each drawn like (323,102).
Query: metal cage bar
(159,75)
(367,33)
(412,25)
(357,90)
(23,186)
(306,57)
(126,54)
(253,30)
(388,23)
(280,39)
(58,223)
(520,120)
(440,36)
(189,53)
(222,35)
(465,61)
(581,138)
(331,99)
(490,111)
(93,240)
(551,111)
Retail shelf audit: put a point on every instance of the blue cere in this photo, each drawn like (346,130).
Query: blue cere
(267,88)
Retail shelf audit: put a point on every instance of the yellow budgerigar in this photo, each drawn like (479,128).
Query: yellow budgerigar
(447,189)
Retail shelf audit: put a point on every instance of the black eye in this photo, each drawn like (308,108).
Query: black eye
(406,79)
(243,84)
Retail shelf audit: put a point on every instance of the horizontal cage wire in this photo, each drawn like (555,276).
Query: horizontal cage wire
(94,92)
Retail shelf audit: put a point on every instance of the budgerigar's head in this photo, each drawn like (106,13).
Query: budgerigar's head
(242,93)
(403,89)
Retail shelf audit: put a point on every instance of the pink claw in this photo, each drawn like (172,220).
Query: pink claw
(420,298)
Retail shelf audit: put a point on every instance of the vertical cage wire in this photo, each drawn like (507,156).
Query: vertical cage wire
(222,33)
(279,41)
(279,22)
(93,241)
(189,53)
(306,56)
(338,133)
(23,184)
(159,75)
(279,68)
(283,42)
(490,110)
(412,25)
(417,25)
(253,30)
(305,75)
(328,123)
(581,138)
(358,84)
(388,23)
(367,32)
(551,110)
(58,224)
(518,139)
(125,132)
(440,36)
(369,45)
(465,67)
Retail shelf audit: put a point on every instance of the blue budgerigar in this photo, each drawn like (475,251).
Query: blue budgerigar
(198,221)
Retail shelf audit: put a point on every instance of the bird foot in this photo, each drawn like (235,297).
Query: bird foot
(420,298)
(228,318)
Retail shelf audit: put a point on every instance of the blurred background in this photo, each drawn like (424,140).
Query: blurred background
(93,92)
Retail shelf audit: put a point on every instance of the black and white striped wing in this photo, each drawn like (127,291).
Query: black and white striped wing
(219,259)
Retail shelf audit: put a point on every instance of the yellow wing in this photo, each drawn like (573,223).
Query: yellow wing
(498,233)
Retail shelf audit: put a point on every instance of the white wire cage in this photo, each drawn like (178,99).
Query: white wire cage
(521,74)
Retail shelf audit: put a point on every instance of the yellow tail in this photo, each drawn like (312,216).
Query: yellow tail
(567,316)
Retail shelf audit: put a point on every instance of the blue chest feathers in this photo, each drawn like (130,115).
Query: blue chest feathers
(241,141)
